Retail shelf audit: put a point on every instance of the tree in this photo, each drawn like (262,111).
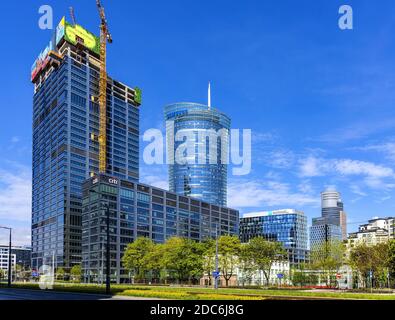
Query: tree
(183,258)
(371,260)
(246,264)
(60,273)
(136,255)
(154,262)
(2,274)
(209,257)
(229,250)
(391,258)
(328,257)
(76,273)
(264,254)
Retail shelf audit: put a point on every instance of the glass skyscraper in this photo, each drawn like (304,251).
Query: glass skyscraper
(287,226)
(331,227)
(65,140)
(199,177)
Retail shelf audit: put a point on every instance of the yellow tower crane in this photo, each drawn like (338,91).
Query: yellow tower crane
(105,37)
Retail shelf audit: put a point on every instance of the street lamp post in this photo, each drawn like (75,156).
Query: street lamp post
(9,256)
(108,255)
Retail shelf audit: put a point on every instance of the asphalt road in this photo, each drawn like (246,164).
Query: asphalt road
(21,294)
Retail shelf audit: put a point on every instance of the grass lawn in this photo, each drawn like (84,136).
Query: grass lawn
(196,293)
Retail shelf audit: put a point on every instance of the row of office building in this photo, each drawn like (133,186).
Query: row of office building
(71,199)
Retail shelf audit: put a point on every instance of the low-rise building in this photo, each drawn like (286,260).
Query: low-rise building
(4,259)
(279,275)
(23,255)
(377,230)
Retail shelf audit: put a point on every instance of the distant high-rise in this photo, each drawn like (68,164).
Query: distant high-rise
(333,210)
(331,227)
(65,140)
(207,179)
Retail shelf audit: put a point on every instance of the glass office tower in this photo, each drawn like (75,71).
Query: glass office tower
(287,226)
(65,140)
(202,179)
(333,210)
(324,238)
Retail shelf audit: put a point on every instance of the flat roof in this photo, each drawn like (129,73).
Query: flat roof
(272,213)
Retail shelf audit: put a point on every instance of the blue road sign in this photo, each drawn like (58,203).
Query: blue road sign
(280,275)
(35,274)
(216,274)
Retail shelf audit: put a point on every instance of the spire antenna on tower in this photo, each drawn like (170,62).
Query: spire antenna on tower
(209,95)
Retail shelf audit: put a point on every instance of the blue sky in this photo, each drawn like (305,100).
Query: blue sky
(319,100)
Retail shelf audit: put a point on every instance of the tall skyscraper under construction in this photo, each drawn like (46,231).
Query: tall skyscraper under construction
(66,135)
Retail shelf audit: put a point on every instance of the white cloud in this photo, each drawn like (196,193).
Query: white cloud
(280,159)
(312,167)
(388,149)
(255,194)
(15,139)
(156,181)
(20,237)
(355,167)
(15,194)
(357,190)
(155,176)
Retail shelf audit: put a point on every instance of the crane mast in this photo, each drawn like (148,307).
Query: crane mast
(105,37)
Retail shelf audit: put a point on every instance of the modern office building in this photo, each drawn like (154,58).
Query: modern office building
(332,210)
(65,139)
(321,232)
(22,255)
(331,227)
(288,226)
(139,210)
(204,174)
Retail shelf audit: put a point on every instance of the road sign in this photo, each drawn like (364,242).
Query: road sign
(280,276)
(338,276)
(35,274)
(216,274)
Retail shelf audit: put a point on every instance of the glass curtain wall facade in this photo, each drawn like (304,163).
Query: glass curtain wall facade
(322,237)
(288,227)
(138,210)
(66,148)
(332,210)
(205,181)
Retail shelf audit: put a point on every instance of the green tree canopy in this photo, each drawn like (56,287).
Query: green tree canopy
(60,273)
(76,272)
(136,258)
(264,253)
(229,249)
(183,258)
